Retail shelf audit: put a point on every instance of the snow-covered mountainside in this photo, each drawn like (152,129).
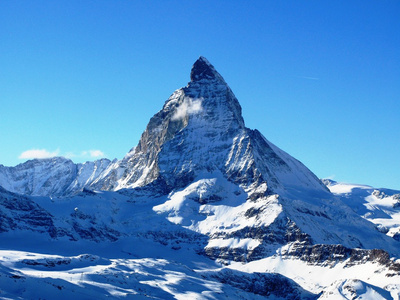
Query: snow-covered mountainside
(56,176)
(107,244)
(380,206)
(201,208)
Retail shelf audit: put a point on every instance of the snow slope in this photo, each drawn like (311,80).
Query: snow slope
(379,206)
(133,244)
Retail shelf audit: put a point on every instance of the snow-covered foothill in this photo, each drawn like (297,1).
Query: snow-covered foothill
(57,176)
(377,205)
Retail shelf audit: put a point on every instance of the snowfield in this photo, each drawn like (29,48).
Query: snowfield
(159,254)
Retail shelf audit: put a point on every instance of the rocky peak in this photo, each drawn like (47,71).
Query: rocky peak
(200,130)
(212,98)
(203,117)
(203,70)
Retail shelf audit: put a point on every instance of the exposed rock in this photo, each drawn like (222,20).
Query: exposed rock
(21,213)
(268,285)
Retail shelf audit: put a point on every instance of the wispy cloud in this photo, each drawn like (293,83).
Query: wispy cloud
(93,153)
(188,107)
(70,155)
(38,153)
(43,153)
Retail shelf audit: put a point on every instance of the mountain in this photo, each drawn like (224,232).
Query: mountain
(202,207)
(379,206)
(201,130)
(57,176)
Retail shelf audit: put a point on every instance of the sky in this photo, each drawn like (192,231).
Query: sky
(319,79)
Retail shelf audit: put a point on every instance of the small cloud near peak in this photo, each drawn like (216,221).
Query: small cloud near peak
(96,153)
(43,153)
(38,153)
(188,107)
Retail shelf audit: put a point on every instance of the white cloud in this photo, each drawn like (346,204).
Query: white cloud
(188,107)
(70,155)
(43,153)
(96,153)
(92,153)
(38,153)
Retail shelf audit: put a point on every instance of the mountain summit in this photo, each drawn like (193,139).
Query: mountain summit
(203,70)
(201,130)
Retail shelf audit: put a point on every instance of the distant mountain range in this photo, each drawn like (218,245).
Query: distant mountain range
(202,208)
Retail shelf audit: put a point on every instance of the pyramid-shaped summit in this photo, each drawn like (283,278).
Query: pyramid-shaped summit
(200,130)
(203,70)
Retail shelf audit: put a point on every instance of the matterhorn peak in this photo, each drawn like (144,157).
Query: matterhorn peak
(203,70)
(200,130)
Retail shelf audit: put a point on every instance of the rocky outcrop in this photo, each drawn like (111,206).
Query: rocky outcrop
(267,285)
(330,255)
(21,213)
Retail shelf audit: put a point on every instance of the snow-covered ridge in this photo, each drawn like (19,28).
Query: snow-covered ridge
(379,206)
(57,176)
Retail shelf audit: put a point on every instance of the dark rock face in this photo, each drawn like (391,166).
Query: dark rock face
(200,129)
(20,212)
(268,285)
(202,69)
(194,119)
(332,254)
(282,231)
(95,233)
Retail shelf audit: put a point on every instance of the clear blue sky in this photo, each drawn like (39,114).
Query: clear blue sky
(320,79)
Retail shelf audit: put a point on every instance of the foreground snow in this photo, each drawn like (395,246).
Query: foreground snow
(161,249)
(180,275)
